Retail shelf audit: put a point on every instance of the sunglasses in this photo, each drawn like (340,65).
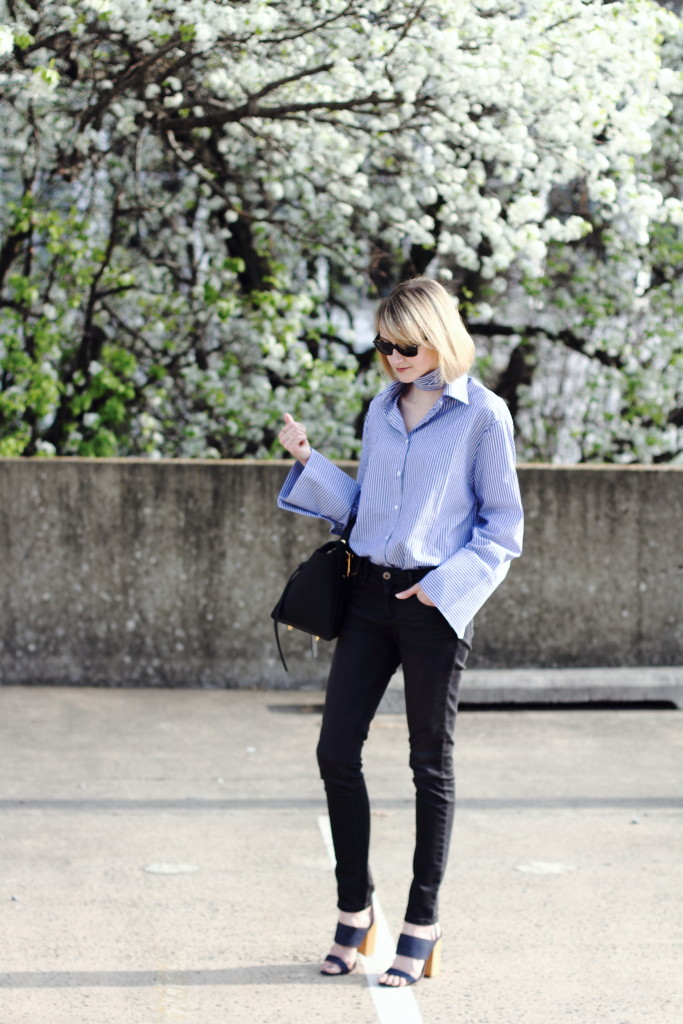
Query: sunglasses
(387,347)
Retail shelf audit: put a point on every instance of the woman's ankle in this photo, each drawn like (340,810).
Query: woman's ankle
(356,918)
(421,931)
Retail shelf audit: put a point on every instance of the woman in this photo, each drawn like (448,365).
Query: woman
(439,517)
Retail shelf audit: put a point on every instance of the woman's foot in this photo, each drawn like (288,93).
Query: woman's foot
(406,964)
(347,954)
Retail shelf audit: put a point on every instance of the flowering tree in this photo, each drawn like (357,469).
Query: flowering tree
(197,195)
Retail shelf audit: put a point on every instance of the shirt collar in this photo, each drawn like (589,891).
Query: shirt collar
(458,389)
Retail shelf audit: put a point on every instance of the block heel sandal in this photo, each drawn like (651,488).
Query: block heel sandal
(411,946)
(362,939)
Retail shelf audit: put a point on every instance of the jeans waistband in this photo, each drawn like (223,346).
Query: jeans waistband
(388,573)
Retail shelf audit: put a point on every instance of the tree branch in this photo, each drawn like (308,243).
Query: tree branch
(406,27)
(184,124)
(566,337)
(308,29)
(286,79)
(130,75)
(9,251)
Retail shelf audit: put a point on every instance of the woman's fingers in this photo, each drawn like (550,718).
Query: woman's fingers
(292,432)
(419,593)
(293,437)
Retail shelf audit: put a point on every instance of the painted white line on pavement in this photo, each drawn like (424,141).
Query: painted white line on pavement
(393,1005)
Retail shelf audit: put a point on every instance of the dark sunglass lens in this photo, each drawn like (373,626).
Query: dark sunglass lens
(407,350)
(387,347)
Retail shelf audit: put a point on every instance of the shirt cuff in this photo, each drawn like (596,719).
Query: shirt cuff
(319,489)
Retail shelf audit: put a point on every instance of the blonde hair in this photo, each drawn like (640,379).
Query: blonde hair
(420,311)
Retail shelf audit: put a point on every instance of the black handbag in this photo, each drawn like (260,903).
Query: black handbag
(315,596)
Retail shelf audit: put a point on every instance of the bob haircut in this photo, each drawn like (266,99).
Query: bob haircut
(420,311)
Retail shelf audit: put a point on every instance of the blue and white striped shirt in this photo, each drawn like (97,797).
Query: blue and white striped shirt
(444,494)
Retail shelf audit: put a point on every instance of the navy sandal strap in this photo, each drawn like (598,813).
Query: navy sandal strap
(401,974)
(347,935)
(332,959)
(417,949)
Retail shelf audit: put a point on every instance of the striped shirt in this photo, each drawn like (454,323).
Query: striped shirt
(444,494)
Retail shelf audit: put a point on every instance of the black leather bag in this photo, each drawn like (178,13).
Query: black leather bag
(315,596)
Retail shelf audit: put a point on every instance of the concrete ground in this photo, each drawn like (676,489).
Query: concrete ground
(163,859)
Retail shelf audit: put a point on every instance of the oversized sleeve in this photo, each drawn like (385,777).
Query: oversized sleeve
(320,489)
(461,584)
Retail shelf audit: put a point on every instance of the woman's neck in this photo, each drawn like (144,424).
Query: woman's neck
(415,404)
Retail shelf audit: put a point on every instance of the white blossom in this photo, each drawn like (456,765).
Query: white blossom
(6,40)
(528,153)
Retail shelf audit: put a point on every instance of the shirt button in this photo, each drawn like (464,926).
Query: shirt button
(395,508)
(399,473)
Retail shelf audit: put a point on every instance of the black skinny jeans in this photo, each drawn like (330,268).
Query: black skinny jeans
(380,632)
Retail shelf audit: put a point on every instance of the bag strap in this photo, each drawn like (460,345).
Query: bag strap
(279,646)
(276,624)
(348,528)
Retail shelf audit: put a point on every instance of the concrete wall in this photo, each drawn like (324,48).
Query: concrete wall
(137,572)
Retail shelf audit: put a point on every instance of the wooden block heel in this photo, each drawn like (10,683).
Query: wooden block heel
(367,946)
(433,965)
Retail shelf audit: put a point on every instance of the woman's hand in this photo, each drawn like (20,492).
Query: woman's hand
(293,438)
(419,594)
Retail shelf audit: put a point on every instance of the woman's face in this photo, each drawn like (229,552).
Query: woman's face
(409,368)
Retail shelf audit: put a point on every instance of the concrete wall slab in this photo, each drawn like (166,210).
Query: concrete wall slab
(163,573)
